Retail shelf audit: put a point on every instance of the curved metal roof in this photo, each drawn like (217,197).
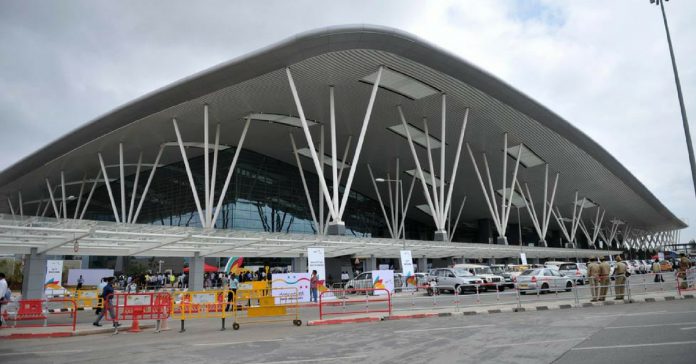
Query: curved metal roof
(341,56)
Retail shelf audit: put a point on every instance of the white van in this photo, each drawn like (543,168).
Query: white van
(485,273)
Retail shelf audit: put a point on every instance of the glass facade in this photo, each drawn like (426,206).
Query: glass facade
(265,194)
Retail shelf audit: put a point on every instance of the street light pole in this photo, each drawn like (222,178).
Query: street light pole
(679,94)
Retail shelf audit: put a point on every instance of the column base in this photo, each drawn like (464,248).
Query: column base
(543,243)
(336,228)
(501,240)
(440,235)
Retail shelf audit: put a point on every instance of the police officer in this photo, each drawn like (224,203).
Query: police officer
(593,274)
(684,265)
(620,278)
(604,271)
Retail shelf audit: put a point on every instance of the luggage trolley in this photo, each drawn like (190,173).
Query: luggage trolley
(256,306)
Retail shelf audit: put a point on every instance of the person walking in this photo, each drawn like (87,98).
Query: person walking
(108,296)
(619,278)
(604,281)
(684,265)
(233,284)
(593,274)
(80,282)
(657,270)
(5,295)
(313,281)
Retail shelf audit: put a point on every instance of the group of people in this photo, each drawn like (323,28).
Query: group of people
(600,275)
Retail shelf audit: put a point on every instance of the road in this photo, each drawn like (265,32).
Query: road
(631,333)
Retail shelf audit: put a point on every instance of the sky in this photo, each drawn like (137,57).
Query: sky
(602,65)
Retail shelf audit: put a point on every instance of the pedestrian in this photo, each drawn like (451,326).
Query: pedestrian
(234,283)
(604,271)
(684,265)
(5,296)
(80,282)
(619,278)
(100,289)
(657,270)
(344,278)
(108,295)
(313,280)
(593,274)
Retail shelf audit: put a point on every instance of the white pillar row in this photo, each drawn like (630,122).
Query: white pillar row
(541,227)
(397,205)
(611,232)
(440,204)
(596,227)
(500,217)
(336,206)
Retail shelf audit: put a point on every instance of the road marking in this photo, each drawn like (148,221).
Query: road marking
(655,325)
(313,360)
(689,328)
(634,345)
(640,314)
(237,342)
(536,342)
(51,352)
(443,328)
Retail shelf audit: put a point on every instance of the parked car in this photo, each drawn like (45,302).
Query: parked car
(578,271)
(485,273)
(455,279)
(543,280)
(554,264)
(502,271)
(516,270)
(362,281)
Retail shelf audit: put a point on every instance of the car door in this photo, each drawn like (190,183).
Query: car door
(550,278)
(443,279)
(558,281)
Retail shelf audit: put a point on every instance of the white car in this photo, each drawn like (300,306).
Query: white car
(578,271)
(543,280)
(485,273)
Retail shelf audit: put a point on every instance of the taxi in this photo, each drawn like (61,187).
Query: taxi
(543,280)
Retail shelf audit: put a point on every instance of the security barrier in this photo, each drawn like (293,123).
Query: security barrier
(40,310)
(87,298)
(139,306)
(266,305)
(372,297)
(200,304)
(686,280)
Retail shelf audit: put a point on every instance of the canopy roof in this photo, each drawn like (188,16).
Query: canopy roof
(347,57)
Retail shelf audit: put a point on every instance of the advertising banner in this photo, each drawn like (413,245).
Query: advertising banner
(91,277)
(54,275)
(661,256)
(383,279)
(315,261)
(407,270)
(287,285)
(523,258)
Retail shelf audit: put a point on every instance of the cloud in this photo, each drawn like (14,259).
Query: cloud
(604,66)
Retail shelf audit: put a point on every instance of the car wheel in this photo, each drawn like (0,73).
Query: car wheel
(569,286)
(544,288)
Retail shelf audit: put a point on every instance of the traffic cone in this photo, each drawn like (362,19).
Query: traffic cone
(135,326)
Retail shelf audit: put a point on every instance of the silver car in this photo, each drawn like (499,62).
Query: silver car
(455,280)
(574,270)
(362,281)
(543,280)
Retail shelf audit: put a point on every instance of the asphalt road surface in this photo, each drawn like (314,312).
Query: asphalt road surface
(632,333)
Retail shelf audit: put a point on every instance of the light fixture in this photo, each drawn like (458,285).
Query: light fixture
(517,200)
(586,203)
(528,158)
(425,208)
(380,180)
(305,152)
(401,84)
(417,135)
(280,119)
(616,222)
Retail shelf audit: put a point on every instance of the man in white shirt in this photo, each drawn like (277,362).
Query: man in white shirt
(3,291)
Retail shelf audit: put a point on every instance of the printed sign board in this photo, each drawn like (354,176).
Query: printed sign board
(287,285)
(383,279)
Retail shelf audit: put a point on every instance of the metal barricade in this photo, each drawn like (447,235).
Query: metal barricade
(201,304)
(266,305)
(41,310)
(686,280)
(87,299)
(363,297)
(139,306)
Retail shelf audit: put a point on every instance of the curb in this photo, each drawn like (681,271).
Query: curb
(414,316)
(343,321)
(46,335)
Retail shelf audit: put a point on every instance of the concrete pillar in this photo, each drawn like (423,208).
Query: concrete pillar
(371,263)
(299,265)
(422,264)
(196,271)
(119,265)
(85,262)
(34,275)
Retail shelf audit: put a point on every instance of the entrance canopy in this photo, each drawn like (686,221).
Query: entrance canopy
(82,237)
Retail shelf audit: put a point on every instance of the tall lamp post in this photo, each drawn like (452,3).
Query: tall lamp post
(679,93)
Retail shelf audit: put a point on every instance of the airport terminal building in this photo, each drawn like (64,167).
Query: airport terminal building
(417,150)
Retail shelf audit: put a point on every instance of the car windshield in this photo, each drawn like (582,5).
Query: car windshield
(483,270)
(462,273)
(531,272)
(498,270)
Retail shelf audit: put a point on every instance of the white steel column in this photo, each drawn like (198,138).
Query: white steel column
(334,162)
(147,185)
(79,196)
(214,171)
(135,188)
(322,221)
(91,192)
(108,188)
(381,204)
(53,201)
(12,211)
(123,182)
(233,164)
(188,173)
(442,157)
(542,226)
(206,169)
(21,204)
(304,184)
(62,188)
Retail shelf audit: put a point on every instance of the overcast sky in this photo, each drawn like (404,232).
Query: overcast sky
(602,65)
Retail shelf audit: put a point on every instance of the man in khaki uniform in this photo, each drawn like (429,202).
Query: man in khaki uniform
(657,269)
(593,274)
(620,278)
(604,271)
(684,265)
